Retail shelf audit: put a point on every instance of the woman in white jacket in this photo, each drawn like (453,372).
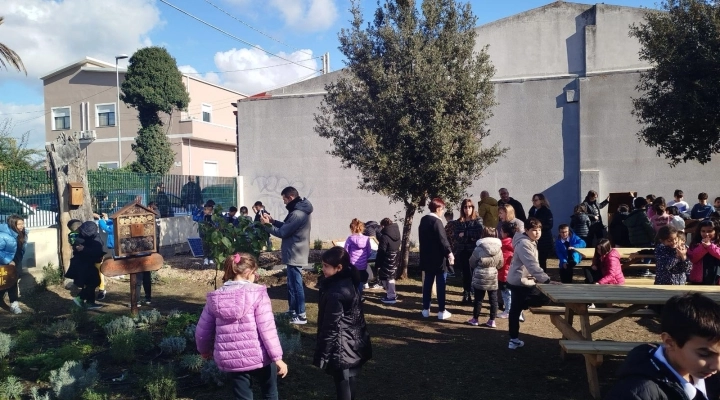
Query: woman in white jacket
(523,274)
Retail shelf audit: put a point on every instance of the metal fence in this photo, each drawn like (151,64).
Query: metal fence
(31,194)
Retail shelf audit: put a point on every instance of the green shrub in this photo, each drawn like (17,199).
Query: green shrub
(52,359)
(190,333)
(192,362)
(317,267)
(177,323)
(71,380)
(144,341)
(160,384)
(119,326)
(90,394)
(173,345)
(6,344)
(63,328)
(318,244)
(103,319)
(149,317)
(26,341)
(79,315)
(122,347)
(210,373)
(11,389)
(52,275)
(35,392)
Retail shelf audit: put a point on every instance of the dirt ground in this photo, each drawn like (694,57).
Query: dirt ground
(412,357)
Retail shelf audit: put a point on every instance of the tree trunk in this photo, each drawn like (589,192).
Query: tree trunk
(410,211)
(68,164)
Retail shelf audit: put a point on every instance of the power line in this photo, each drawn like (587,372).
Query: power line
(255,29)
(75,102)
(248,69)
(24,112)
(233,36)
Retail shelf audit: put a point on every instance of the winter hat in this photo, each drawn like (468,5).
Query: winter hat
(74,224)
(88,229)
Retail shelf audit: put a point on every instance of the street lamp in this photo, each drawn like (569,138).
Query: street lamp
(117,107)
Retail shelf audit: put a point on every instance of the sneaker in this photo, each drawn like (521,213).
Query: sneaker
(443,315)
(515,344)
(147,302)
(101,294)
(491,324)
(78,302)
(375,286)
(504,315)
(425,313)
(138,305)
(94,306)
(206,262)
(522,317)
(591,306)
(212,262)
(473,321)
(366,286)
(15,308)
(388,300)
(298,320)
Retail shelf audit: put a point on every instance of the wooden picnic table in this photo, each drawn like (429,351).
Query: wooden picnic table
(628,256)
(576,299)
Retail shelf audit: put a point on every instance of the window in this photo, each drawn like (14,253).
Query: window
(105,115)
(61,118)
(108,164)
(207,112)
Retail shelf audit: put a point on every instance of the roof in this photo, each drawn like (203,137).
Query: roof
(133,204)
(85,62)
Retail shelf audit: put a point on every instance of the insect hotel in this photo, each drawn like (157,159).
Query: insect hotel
(136,245)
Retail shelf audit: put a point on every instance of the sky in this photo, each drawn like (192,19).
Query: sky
(276,42)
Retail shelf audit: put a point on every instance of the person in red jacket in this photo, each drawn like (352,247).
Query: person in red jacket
(610,268)
(508,230)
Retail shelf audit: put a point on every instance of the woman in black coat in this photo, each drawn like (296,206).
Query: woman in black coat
(468,229)
(343,342)
(435,255)
(541,211)
(388,258)
(597,228)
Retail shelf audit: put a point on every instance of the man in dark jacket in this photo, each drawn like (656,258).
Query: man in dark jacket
(87,251)
(191,195)
(295,248)
(388,258)
(506,199)
(640,230)
(684,367)
(619,235)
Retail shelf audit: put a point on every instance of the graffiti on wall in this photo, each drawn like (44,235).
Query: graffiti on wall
(269,188)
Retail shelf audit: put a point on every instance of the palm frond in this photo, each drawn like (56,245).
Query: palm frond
(8,56)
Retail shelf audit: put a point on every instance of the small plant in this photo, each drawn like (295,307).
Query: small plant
(192,362)
(190,333)
(101,320)
(35,392)
(63,328)
(6,344)
(25,341)
(210,373)
(177,323)
(173,345)
(122,346)
(143,341)
(52,275)
(79,315)
(11,389)
(54,358)
(149,317)
(71,380)
(318,244)
(119,326)
(161,384)
(317,267)
(90,394)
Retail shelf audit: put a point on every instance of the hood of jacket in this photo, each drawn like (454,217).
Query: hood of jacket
(520,237)
(234,299)
(88,229)
(299,204)
(491,201)
(490,245)
(635,214)
(392,231)
(641,363)
(4,228)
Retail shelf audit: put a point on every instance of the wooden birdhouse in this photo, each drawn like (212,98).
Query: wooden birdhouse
(77,193)
(134,230)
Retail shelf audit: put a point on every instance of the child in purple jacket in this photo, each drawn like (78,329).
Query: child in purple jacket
(358,246)
(237,329)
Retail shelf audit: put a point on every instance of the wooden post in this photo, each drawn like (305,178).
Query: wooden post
(133,294)
(132,265)
(68,163)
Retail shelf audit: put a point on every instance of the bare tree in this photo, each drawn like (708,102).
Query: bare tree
(8,56)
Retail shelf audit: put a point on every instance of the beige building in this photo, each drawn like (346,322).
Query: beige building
(81,99)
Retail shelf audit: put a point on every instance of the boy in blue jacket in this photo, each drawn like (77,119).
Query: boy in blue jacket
(565,246)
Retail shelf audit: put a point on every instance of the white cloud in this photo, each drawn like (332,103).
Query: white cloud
(211,77)
(251,80)
(50,34)
(25,118)
(307,15)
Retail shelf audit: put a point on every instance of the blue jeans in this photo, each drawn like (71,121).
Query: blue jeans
(439,278)
(296,291)
(265,376)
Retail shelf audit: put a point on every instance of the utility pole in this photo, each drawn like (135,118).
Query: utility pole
(326,63)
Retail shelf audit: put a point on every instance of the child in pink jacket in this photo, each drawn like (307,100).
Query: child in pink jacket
(610,268)
(237,329)
(705,255)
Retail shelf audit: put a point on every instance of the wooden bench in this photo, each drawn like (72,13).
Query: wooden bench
(553,310)
(598,347)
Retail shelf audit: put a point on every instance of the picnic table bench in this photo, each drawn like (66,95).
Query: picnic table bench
(628,257)
(576,299)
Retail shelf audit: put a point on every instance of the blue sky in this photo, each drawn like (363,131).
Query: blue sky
(51,33)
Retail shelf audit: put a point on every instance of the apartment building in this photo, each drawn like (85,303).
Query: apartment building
(81,99)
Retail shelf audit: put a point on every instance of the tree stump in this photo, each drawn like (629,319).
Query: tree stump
(67,164)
